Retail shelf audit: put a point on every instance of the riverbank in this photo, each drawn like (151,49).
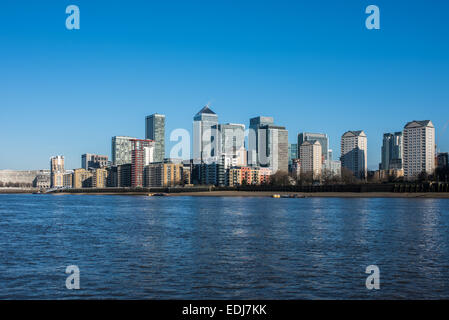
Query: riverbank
(258,194)
(312,194)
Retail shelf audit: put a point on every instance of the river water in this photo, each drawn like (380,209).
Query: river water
(133,247)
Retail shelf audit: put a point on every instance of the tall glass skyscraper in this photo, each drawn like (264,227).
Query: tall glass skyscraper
(292,152)
(155,130)
(391,151)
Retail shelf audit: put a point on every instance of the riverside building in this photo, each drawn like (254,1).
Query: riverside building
(354,153)
(419,148)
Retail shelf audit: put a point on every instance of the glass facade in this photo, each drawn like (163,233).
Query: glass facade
(155,130)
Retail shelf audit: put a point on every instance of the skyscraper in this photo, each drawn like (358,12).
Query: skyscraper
(322,138)
(57,171)
(443,160)
(292,153)
(155,130)
(121,150)
(391,151)
(419,148)
(205,135)
(254,136)
(311,161)
(268,144)
(231,143)
(354,154)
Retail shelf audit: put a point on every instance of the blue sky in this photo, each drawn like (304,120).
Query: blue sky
(312,65)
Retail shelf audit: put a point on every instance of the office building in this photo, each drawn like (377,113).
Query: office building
(231,143)
(322,138)
(311,158)
(254,136)
(419,148)
(57,171)
(155,130)
(205,135)
(267,145)
(121,150)
(292,153)
(391,151)
(442,160)
(354,152)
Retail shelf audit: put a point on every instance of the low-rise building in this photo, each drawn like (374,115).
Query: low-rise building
(68,179)
(163,174)
(99,178)
(82,178)
(238,176)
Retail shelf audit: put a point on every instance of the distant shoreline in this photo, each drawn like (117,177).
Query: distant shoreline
(254,194)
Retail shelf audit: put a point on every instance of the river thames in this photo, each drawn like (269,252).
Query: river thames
(135,247)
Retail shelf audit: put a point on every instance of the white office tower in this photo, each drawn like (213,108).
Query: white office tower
(354,153)
(311,158)
(419,148)
(231,143)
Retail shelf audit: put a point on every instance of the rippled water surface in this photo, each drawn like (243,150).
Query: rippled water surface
(222,248)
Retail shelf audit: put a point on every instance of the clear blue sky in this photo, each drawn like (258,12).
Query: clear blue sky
(312,65)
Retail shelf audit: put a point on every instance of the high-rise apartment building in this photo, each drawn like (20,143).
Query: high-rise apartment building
(354,153)
(205,134)
(391,151)
(155,130)
(57,171)
(121,150)
(142,154)
(322,138)
(311,158)
(267,144)
(93,161)
(419,148)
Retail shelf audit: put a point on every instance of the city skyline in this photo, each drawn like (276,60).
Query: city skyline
(219,124)
(313,67)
